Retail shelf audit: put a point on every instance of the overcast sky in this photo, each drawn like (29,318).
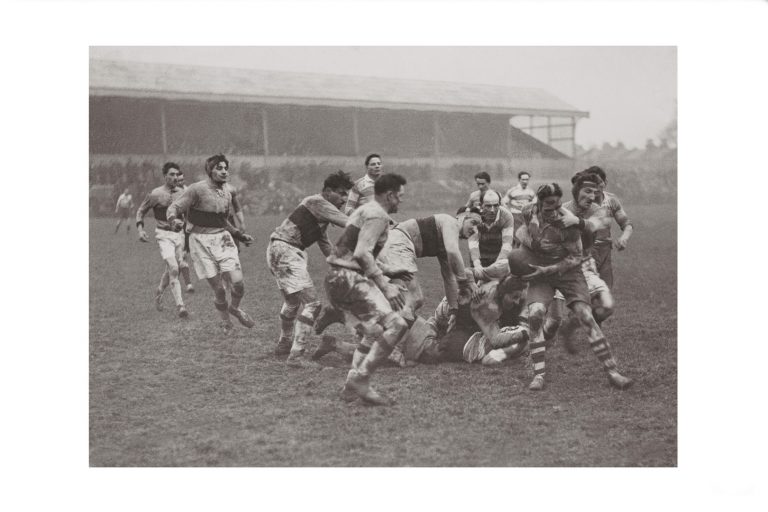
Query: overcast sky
(630,92)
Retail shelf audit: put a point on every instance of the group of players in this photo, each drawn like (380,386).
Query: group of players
(532,259)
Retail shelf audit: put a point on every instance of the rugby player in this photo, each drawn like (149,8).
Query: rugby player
(171,242)
(494,236)
(123,208)
(207,204)
(362,192)
(356,286)
(287,260)
(483,182)
(517,197)
(557,253)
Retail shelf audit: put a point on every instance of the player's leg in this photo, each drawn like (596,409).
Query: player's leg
(537,312)
(600,345)
(288,313)
(602,306)
(237,291)
(220,300)
(164,282)
(172,270)
(184,266)
(304,323)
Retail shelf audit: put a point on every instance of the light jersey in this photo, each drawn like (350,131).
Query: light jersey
(487,242)
(206,206)
(308,224)
(125,200)
(517,197)
(360,194)
(555,244)
(159,199)
(608,210)
(370,216)
(588,214)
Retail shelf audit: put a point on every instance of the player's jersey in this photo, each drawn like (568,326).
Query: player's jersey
(552,244)
(206,205)
(587,237)
(474,198)
(487,242)
(517,197)
(158,200)
(426,236)
(360,194)
(371,216)
(608,210)
(308,223)
(125,201)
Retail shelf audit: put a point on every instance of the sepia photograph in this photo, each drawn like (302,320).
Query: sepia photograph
(455,257)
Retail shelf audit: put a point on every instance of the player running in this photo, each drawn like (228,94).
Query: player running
(362,191)
(184,271)
(287,260)
(557,256)
(171,242)
(357,287)
(123,209)
(207,204)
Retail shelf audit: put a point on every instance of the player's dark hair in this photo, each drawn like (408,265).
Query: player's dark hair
(372,155)
(213,161)
(486,192)
(388,183)
(520,174)
(596,170)
(482,175)
(339,179)
(547,190)
(167,166)
(580,180)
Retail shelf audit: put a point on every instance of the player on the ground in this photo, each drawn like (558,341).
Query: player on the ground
(207,204)
(123,209)
(483,182)
(557,256)
(494,236)
(610,209)
(184,271)
(358,287)
(171,242)
(287,260)
(362,191)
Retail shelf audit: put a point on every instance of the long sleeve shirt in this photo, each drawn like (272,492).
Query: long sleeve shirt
(553,245)
(158,200)
(361,193)
(206,206)
(308,224)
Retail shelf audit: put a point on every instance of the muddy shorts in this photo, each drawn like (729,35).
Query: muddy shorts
(288,265)
(363,304)
(213,254)
(171,244)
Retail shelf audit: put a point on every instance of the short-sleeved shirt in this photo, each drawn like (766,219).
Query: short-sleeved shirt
(308,223)
(158,200)
(206,205)
(360,194)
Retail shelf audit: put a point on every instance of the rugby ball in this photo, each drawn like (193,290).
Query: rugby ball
(519,261)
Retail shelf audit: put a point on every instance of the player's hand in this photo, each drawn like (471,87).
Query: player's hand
(537,272)
(394,295)
(177,225)
(143,237)
(247,239)
(474,291)
(568,219)
(620,243)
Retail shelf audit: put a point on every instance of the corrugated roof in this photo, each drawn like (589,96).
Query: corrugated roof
(173,81)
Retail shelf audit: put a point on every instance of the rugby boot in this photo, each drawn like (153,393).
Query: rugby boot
(328,316)
(242,316)
(299,360)
(537,384)
(283,347)
(397,357)
(182,311)
(326,346)
(477,346)
(619,381)
(358,385)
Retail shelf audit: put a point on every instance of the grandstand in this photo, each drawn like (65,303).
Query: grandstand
(283,131)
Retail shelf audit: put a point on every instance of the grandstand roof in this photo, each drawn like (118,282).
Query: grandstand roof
(198,83)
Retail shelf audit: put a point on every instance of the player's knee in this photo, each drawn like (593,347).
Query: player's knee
(395,328)
(536,312)
(583,312)
(289,309)
(309,312)
(238,289)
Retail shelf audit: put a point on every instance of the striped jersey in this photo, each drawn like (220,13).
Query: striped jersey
(206,206)
(361,193)
(308,224)
(517,197)
(608,210)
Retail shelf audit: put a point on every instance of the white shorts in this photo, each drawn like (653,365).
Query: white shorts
(399,253)
(289,266)
(213,254)
(171,244)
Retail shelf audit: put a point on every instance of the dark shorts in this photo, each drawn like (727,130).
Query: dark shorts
(572,285)
(602,256)
(124,213)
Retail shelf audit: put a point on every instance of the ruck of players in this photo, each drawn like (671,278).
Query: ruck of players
(539,270)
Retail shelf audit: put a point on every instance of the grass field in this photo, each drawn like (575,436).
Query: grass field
(171,392)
